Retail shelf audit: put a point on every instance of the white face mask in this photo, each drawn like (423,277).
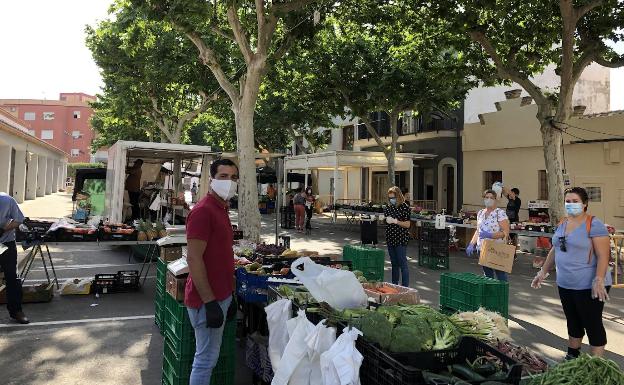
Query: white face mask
(488,202)
(226,189)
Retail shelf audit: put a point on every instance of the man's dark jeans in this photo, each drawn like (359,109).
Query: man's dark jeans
(134,201)
(8,262)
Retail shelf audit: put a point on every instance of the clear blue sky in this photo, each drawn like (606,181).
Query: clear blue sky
(43,51)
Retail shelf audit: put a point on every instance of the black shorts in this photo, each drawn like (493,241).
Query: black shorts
(584,315)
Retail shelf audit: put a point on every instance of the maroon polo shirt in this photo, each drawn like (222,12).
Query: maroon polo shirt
(209,221)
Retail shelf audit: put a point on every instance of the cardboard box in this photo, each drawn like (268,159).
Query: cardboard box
(406,295)
(170,253)
(175,285)
(32,293)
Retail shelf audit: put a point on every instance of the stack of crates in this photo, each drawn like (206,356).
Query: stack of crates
(469,292)
(370,261)
(433,247)
(179,348)
(159,299)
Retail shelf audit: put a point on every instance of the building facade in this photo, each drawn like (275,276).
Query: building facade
(506,145)
(29,167)
(63,123)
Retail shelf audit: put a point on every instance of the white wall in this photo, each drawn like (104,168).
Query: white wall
(592,90)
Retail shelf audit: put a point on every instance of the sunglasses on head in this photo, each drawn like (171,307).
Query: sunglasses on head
(562,244)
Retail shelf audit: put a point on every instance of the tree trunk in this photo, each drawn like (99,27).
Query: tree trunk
(248,214)
(391,153)
(553,157)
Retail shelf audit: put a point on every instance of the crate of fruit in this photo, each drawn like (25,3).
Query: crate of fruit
(117,232)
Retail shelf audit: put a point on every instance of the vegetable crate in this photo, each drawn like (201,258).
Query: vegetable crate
(287,217)
(251,287)
(469,292)
(179,348)
(381,368)
(368,260)
(159,298)
(433,248)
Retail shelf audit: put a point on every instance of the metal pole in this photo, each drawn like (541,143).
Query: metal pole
(278,205)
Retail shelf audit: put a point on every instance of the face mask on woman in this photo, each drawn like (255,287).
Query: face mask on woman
(574,209)
(488,202)
(393,201)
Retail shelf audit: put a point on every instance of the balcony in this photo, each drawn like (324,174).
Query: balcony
(411,125)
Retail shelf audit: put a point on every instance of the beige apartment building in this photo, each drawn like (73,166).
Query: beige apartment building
(506,145)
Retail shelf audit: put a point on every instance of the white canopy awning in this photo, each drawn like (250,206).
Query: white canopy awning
(355,159)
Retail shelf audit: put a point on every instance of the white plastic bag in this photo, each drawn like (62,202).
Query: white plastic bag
(278,313)
(339,288)
(294,366)
(340,365)
(318,342)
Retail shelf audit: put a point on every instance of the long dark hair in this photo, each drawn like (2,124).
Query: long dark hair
(581,192)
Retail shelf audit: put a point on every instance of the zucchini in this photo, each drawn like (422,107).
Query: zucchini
(486,369)
(499,376)
(465,372)
(437,379)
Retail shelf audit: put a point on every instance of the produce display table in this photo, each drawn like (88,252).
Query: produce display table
(470,226)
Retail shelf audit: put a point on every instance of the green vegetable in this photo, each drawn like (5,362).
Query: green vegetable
(583,370)
(443,340)
(405,339)
(377,328)
(393,313)
(430,377)
(358,273)
(465,372)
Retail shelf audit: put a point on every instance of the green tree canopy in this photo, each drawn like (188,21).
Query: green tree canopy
(511,40)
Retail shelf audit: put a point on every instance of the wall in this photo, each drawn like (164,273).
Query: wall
(592,90)
(510,141)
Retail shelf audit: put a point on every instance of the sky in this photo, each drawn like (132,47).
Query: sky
(42,50)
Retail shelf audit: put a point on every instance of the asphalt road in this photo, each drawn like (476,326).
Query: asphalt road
(113,339)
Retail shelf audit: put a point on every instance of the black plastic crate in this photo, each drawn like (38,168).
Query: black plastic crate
(36,230)
(379,368)
(107,237)
(104,283)
(287,217)
(62,235)
(468,350)
(127,280)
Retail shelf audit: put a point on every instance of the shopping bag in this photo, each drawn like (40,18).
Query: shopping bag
(340,365)
(294,367)
(339,288)
(318,342)
(278,313)
(496,255)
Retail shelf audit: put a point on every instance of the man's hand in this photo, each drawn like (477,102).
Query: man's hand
(214,315)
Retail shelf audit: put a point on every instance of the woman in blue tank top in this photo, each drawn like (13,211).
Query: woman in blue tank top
(580,253)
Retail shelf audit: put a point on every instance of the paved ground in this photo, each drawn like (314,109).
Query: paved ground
(54,205)
(116,342)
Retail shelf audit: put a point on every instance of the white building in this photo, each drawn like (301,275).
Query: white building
(29,167)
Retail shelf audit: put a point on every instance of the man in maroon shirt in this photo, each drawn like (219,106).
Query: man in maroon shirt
(208,293)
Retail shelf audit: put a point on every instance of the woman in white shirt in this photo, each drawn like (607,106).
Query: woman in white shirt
(492,223)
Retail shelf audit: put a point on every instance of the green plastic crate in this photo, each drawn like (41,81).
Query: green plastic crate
(468,292)
(433,262)
(182,348)
(368,260)
(161,273)
(177,367)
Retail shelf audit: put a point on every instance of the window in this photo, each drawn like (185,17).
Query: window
(30,116)
(489,177)
(542,185)
(347,138)
(48,116)
(75,152)
(76,134)
(32,132)
(594,193)
(47,134)
(76,114)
